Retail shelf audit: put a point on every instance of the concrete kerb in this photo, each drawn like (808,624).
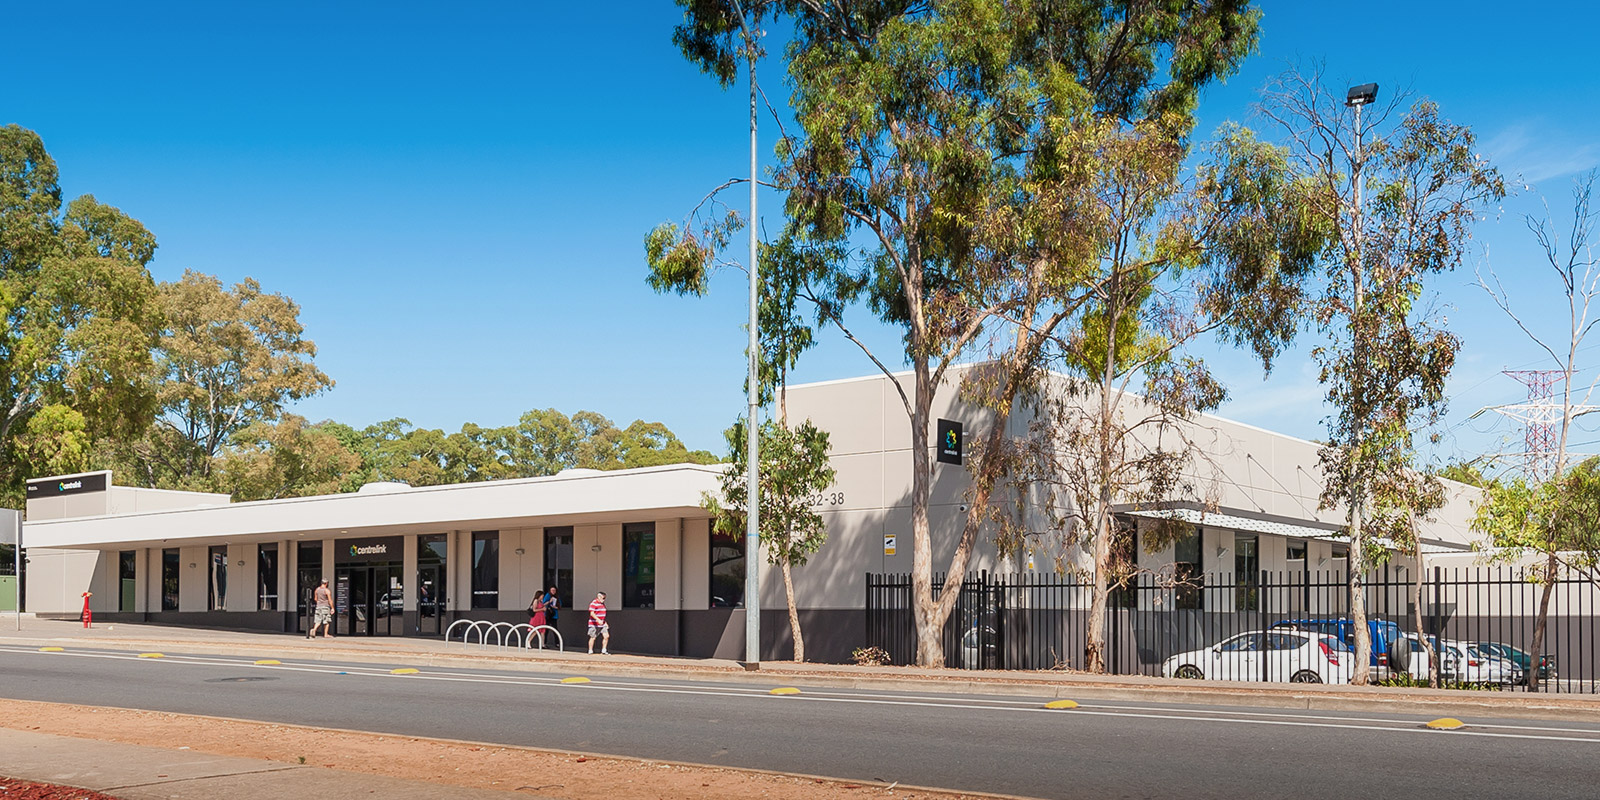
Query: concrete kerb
(1051,686)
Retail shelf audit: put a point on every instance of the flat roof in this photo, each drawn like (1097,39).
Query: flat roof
(573,497)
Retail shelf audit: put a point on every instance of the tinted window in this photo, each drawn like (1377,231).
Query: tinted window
(267,577)
(1335,644)
(127,571)
(217,579)
(1248,642)
(169,579)
(1285,641)
(639,565)
(558,563)
(727,571)
(485,569)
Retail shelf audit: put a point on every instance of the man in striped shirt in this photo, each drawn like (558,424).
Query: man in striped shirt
(597,624)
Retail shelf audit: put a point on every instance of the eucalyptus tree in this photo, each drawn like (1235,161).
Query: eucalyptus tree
(1387,356)
(81,318)
(1570,260)
(1166,257)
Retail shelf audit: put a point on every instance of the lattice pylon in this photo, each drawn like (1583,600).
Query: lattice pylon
(1540,416)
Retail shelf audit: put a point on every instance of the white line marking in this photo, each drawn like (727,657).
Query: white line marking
(1182,715)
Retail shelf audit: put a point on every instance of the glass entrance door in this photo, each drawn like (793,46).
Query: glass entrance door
(368,601)
(430,600)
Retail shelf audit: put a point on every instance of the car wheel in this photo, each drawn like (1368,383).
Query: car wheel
(1305,676)
(1188,672)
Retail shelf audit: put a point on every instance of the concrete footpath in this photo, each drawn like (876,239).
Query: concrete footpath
(424,653)
(156,773)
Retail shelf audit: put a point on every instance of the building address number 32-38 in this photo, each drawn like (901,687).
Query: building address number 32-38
(827,499)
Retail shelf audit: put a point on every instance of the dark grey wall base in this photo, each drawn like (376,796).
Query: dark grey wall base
(830,634)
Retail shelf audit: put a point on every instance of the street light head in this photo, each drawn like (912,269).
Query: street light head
(1361,95)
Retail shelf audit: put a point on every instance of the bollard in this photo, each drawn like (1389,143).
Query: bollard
(88,616)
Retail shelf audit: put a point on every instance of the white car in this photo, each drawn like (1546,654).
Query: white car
(1459,663)
(1275,655)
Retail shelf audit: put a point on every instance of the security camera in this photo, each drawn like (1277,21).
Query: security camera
(963,508)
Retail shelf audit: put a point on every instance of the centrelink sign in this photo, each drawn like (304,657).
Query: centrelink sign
(67,484)
(356,551)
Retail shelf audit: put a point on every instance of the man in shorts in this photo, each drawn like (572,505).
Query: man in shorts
(598,626)
(322,617)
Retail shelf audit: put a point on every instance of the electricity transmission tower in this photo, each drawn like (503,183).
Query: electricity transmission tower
(1540,417)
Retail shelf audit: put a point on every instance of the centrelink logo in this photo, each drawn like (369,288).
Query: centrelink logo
(68,485)
(950,442)
(370,550)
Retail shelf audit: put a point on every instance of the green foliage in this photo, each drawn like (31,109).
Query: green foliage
(285,458)
(1560,516)
(794,468)
(1466,473)
(229,359)
(81,317)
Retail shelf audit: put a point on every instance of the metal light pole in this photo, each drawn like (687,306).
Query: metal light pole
(1357,97)
(752,533)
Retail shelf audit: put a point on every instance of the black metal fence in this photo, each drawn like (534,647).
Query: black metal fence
(1479,620)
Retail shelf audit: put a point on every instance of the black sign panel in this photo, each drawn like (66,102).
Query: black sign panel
(363,551)
(74,484)
(949,446)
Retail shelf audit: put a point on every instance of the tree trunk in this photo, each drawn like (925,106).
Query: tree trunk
(1362,674)
(1537,656)
(1094,656)
(1416,618)
(794,615)
(929,622)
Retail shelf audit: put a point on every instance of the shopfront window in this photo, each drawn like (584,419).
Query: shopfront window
(217,583)
(1188,581)
(127,579)
(1124,564)
(639,565)
(1247,572)
(558,563)
(727,570)
(485,569)
(432,557)
(169,579)
(267,577)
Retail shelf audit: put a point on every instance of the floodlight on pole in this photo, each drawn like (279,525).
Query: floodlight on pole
(1361,95)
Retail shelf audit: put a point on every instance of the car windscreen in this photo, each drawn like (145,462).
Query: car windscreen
(1339,645)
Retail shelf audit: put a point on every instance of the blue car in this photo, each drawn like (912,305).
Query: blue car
(1385,635)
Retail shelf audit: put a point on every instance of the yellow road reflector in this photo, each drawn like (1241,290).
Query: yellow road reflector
(1061,704)
(268,662)
(51,649)
(785,690)
(404,671)
(1446,724)
(152,655)
(574,680)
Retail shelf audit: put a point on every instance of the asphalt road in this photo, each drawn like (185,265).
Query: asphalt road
(998,744)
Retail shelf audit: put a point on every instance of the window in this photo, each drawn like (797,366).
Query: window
(432,581)
(217,585)
(1297,551)
(485,569)
(1124,564)
(267,577)
(308,563)
(127,579)
(1188,581)
(558,564)
(1247,573)
(1244,643)
(169,579)
(639,565)
(727,570)
(1341,558)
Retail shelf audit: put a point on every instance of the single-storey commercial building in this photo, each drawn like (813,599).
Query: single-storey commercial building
(408,561)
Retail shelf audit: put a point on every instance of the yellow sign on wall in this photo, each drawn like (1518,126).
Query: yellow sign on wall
(888,544)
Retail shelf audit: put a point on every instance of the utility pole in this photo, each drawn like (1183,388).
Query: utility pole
(752,533)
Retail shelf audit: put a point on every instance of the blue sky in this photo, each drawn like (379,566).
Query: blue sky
(457,194)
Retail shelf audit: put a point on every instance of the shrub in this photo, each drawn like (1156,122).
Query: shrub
(870,656)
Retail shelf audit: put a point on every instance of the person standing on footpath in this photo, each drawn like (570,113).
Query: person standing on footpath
(536,618)
(322,599)
(552,607)
(598,626)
